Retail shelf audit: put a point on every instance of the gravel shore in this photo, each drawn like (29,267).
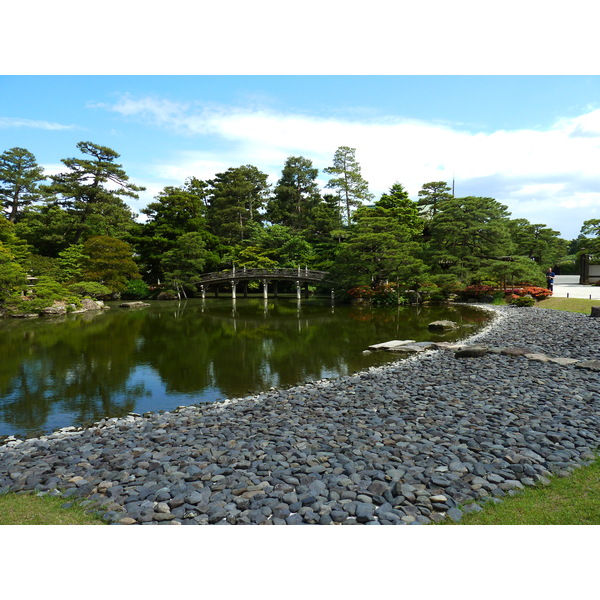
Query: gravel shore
(420,440)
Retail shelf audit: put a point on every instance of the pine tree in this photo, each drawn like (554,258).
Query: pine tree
(295,195)
(402,207)
(235,199)
(19,178)
(91,191)
(432,197)
(352,189)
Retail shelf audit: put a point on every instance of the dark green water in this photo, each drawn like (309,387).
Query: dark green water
(77,369)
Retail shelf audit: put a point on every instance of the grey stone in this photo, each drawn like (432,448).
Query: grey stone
(294,519)
(515,351)
(440,481)
(377,488)
(364,512)
(455,514)
(590,365)
(471,508)
(471,352)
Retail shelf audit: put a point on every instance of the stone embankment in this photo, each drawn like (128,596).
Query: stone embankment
(62,308)
(418,441)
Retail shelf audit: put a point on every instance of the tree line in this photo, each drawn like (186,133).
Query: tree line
(75,232)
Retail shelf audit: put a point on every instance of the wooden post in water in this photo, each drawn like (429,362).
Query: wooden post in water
(298,290)
(203,292)
(265,289)
(233,285)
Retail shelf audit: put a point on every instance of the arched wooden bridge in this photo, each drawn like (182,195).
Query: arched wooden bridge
(236,275)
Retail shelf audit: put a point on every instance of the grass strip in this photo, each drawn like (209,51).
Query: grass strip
(30,509)
(571,500)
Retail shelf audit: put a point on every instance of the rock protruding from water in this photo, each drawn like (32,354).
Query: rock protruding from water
(134,304)
(443,326)
(89,304)
(392,344)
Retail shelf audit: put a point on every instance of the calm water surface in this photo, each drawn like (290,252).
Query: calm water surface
(77,369)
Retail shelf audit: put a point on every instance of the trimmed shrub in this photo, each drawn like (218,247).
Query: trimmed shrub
(522,301)
(91,289)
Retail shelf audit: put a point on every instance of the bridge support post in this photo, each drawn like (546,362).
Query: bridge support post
(203,292)
(332,294)
(306,290)
(298,290)
(245,287)
(233,285)
(265,289)
(275,290)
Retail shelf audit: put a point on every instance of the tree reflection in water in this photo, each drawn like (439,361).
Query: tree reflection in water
(81,368)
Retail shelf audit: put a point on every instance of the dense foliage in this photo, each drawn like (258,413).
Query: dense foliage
(76,229)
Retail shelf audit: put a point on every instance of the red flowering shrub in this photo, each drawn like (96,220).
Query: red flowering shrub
(361,291)
(476,291)
(480,291)
(539,293)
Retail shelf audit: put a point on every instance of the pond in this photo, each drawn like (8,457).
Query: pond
(77,369)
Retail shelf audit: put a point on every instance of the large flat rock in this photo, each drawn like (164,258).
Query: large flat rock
(391,344)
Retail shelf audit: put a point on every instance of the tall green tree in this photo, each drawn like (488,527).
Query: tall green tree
(185,262)
(109,262)
(376,250)
(235,199)
(537,242)
(12,275)
(295,195)
(19,181)
(92,191)
(351,187)
(402,207)
(469,234)
(70,263)
(432,197)
(590,237)
(280,244)
(48,228)
(175,212)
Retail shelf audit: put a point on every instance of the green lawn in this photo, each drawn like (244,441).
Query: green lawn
(569,304)
(29,509)
(572,500)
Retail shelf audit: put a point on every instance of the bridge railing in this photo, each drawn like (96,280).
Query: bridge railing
(241,273)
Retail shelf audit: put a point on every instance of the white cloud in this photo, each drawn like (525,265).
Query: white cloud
(542,174)
(53,168)
(581,201)
(7,122)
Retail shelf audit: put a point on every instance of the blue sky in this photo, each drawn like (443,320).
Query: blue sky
(531,142)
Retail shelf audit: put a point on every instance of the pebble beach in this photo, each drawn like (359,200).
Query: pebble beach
(423,439)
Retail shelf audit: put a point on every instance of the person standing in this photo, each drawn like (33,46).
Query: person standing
(550,275)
